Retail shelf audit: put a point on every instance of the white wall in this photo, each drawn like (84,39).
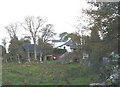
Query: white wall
(56,44)
(66,47)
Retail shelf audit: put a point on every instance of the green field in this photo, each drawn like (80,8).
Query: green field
(47,73)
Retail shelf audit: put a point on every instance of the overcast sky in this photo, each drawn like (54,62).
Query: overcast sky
(61,13)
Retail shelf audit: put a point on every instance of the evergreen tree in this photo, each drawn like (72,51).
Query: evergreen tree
(16,49)
(105,22)
(94,36)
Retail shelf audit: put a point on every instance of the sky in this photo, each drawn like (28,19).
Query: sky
(63,14)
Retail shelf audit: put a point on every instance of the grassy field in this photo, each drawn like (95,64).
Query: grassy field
(46,74)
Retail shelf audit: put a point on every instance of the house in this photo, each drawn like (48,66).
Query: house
(65,44)
(57,43)
(28,50)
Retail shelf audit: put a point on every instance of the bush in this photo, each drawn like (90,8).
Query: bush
(73,57)
(58,52)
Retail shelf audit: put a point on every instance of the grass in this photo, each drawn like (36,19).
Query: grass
(47,73)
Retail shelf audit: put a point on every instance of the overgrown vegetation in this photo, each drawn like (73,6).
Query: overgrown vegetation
(48,73)
(102,41)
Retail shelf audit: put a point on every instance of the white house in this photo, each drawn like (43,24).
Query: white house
(64,44)
(57,43)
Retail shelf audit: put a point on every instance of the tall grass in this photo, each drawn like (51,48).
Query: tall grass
(48,73)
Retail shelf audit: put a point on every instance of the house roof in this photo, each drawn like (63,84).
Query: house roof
(73,47)
(71,44)
(30,48)
(59,40)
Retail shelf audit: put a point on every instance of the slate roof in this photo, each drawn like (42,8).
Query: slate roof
(69,43)
(73,47)
(30,48)
(59,40)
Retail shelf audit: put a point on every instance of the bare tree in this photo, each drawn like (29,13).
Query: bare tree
(12,30)
(47,32)
(33,25)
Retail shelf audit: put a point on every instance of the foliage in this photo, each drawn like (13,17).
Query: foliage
(45,47)
(63,35)
(16,49)
(74,57)
(101,41)
(34,25)
(58,52)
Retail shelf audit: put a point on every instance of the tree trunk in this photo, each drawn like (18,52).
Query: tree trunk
(40,57)
(45,58)
(35,53)
(18,59)
(6,61)
(28,56)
